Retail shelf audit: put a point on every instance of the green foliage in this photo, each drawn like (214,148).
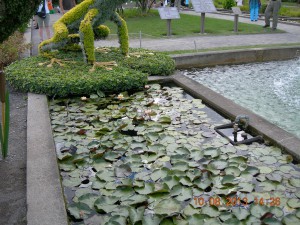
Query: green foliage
(74,78)
(11,17)
(11,48)
(227,4)
(101,32)
(4,128)
(289,11)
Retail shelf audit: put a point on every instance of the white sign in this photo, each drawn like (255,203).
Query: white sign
(166,13)
(204,6)
(236,10)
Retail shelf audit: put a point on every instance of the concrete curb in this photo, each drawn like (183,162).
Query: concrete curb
(44,193)
(230,57)
(45,201)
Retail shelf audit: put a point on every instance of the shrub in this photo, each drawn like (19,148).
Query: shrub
(101,32)
(74,78)
(227,4)
(11,17)
(11,49)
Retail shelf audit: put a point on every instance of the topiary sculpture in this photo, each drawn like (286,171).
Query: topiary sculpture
(78,24)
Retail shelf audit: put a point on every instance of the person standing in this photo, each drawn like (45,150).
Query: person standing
(272,9)
(66,5)
(43,21)
(254,9)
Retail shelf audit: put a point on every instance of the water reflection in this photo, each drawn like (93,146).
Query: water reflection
(272,89)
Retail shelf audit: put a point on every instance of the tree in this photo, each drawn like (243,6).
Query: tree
(145,5)
(13,14)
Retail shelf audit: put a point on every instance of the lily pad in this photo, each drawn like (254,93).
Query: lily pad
(167,207)
(79,210)
(240,213)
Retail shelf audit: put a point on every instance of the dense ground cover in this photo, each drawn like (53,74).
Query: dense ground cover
(67,74)
(152,157)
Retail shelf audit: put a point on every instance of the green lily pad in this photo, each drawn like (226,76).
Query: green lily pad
(240,213)
(79,210)
(219,164)
(294,203)
(229,179)
(290,220)
(268,160)
(211,152)
(190,210)
(167,207)
(136,215)
(258,210)
(211,211)
(232,170)
(295,182)
(123,170)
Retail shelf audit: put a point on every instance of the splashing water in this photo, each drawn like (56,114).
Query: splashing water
(272,89)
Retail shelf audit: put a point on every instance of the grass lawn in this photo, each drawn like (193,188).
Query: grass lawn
(187,25)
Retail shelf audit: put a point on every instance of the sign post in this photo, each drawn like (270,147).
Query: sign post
(236,11)
(168,13)
(203,6)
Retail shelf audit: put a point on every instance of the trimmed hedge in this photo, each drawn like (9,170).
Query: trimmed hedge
(74,78)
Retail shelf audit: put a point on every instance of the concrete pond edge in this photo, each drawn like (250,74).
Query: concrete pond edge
(45,200)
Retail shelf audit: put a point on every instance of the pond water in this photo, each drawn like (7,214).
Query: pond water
(271,89)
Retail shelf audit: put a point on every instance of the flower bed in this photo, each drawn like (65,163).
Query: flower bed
(152,157)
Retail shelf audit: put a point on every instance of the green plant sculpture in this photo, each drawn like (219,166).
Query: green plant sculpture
(4,125)
(78,25)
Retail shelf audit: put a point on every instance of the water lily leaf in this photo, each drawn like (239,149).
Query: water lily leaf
(186,181)
(219,164)
(123,170)
(156,148)
(246,187)
(252,170)
(167,207)
(185,194)
(232,170)
(294,182)
(276,211)
(228,149)
(123,192)
(88,199)
(136,215)
(229,179)
(264,169)
(171,181)
(105,204)
(79,210)
(147,189)
(100,164)
(71,182)
(274,177)
(271,221)
(225,216)
(159,174)
(164,159)
(293,203)
(180,166)
(111,156)
(106,175)
(240,213)
(268,160)
(135,199)
(165,119)
(211,211)
(190,210)
(258,210)
(152,136)
(268,185)
(98,184)
(203,183)
(64,156)
(298,213)
(212,152)
(198,219)
(286,168)
(151,220)
(238,159)
(290,220)
(117,220)
(232,221)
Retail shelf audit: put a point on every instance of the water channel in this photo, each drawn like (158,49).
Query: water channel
(270,89)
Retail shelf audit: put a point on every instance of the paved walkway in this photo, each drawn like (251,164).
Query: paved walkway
(204,41)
